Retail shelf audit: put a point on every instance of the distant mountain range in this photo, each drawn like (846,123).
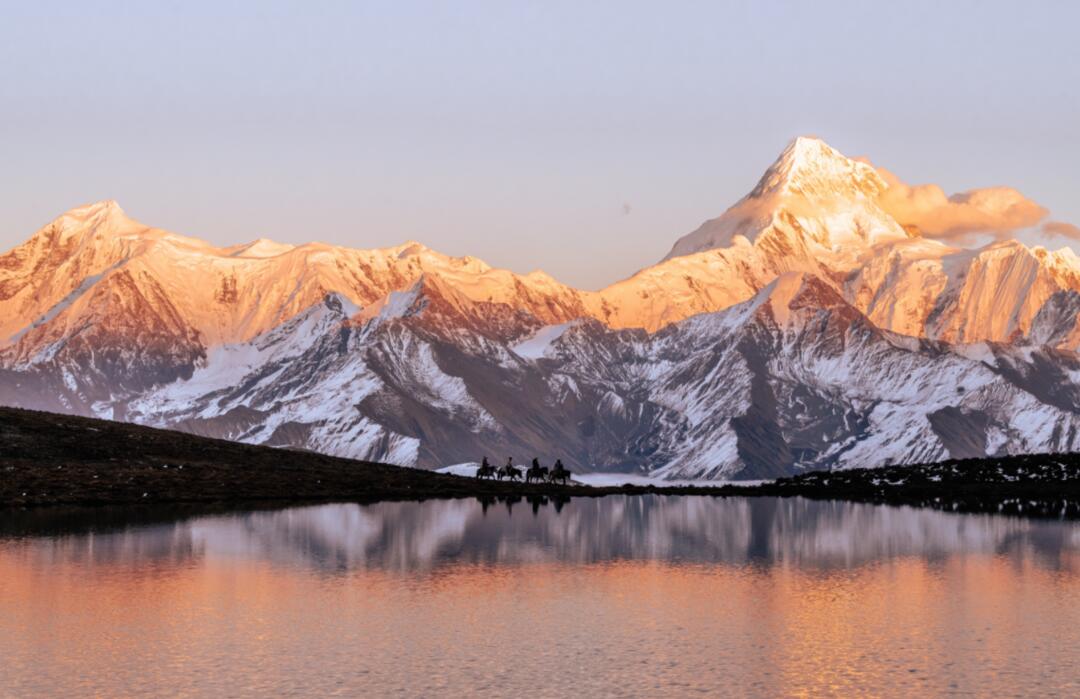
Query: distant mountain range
(804,328)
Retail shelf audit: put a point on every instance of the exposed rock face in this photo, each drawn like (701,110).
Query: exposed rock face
(804,328)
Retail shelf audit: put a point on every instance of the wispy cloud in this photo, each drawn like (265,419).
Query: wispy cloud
(1062,229)
(994,211)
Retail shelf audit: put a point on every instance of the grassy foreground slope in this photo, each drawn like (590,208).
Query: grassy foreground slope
(50,459)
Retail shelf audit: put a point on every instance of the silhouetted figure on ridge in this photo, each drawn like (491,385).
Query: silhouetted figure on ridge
(559,472)
(509,470)
(486,470)
(536,472)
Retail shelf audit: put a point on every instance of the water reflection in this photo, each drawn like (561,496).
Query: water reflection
(645,596)
(407,537)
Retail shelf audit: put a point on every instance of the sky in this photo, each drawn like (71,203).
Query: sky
(578,138)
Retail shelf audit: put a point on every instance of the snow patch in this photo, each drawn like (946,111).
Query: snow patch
(467,469)
(396,304)
(63,305)
(537,346)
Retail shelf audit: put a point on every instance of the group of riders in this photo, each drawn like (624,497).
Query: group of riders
(541,474)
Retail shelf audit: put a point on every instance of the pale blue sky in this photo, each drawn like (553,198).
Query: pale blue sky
(515,132)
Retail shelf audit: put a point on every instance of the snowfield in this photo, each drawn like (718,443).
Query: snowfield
(802,329)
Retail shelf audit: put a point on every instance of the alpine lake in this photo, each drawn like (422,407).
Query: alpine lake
(649,595)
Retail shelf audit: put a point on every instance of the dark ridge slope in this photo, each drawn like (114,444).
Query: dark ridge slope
(50,459)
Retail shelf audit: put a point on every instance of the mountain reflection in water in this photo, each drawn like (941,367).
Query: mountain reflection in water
(614,596)
(409,537)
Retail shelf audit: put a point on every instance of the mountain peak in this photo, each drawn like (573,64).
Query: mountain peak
(833,198)
(804,148)
(814,169)
(96,213)
(102,217)
(108,207)
(807,154)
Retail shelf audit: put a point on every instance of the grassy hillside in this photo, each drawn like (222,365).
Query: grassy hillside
(49,459)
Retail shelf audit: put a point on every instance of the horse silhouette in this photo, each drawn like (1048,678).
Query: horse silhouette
(486,470)
(559,474)
(536,473)
(509,471)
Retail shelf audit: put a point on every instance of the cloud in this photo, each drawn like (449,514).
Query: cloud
(995,211)
(1060,228)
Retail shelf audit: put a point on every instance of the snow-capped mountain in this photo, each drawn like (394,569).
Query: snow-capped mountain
(803,328)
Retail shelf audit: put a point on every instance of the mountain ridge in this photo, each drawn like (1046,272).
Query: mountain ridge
(752,359)
(800,233)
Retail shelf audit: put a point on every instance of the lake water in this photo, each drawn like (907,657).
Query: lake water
(616,596)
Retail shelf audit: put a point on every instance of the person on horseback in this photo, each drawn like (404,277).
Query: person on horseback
(486,470)
(509,471)
(559,472)
(536,472)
